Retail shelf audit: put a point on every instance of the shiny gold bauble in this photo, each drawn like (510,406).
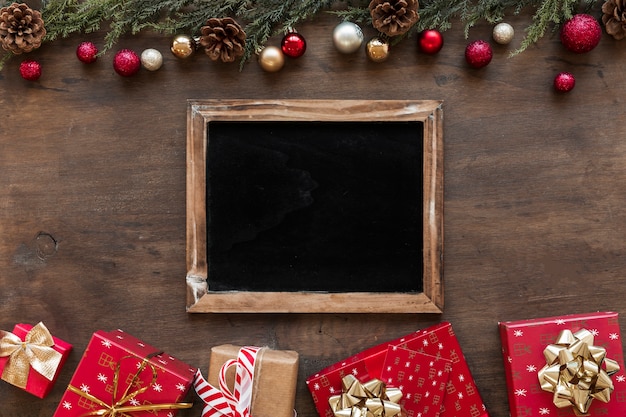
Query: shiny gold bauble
(271,59)
(183,46)
(377,49)
(503,33)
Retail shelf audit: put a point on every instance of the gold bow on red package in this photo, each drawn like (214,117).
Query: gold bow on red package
(122,405)
(370,399)
(574,371)
(34,351)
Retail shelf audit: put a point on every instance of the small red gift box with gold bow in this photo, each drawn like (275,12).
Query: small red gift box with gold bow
(121,375)
(31,358)
(427,366)
(565,366)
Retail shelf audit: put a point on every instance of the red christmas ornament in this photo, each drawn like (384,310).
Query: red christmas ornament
(126,63)
(293,45)
(30,70)
(87,52)
(564,82)
(581,33)
(430,41)
(478,54)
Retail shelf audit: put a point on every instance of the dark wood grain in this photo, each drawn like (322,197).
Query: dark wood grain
(92,197)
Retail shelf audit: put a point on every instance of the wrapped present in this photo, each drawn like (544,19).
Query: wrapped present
(249,380)
(120,375)
(564,366)
(427,366)
(31,358)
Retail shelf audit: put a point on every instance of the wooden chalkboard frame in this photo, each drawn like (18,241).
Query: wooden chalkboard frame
(200,298)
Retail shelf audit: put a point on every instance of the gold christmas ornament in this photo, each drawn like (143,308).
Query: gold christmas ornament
(347,37)
(503,33)
(377,49)
(183,46)
(21,28)
(151,59)
(271,59)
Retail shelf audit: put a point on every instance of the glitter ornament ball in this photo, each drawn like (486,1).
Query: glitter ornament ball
(183,46)
(87,52)
(430,41)
(151,59)
(581,33)
(503,33)
(30,70)
(271,59)
(347,37)
(293,45)
(478,54)
(564,82)
(377,49)
(126,63)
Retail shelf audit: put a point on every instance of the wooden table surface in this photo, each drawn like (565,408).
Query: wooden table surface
(92,196)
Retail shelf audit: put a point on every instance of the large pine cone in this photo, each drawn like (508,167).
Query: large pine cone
(614,18)
(21,28)
(223,39)
(394,17)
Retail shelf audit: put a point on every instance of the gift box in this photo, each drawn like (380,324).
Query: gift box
(523,345)
(266,381)
(38,374)
(119,373)
(411,363)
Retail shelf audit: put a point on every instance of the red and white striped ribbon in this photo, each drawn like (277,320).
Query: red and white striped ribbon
(222,401)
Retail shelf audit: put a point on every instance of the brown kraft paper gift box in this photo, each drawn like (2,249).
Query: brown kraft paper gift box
(275,378)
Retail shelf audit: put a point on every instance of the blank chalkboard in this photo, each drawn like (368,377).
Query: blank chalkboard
(314,206)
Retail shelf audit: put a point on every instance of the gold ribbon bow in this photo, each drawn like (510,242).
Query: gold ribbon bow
(117,408)
(371,399)
(574,373)
(35,351)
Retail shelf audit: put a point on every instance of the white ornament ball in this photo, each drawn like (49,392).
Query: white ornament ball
(503,33)
(151,59)
(347,37)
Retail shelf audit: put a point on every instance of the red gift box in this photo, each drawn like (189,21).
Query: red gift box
(37,384)
(459,398)
(523,343)
(121,371)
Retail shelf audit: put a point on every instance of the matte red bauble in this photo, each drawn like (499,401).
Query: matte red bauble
(87,52)
(430,41)
(564,82)
(293,45)
(126,63)
(581,33)
(30,70)
(478,54)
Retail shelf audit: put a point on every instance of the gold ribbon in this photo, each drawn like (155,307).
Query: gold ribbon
(574,372)
(35,351)
(371,399)
(117,408)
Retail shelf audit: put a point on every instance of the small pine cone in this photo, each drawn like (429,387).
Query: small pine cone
(223,39)
(21,28)
(394,17)
(614,18)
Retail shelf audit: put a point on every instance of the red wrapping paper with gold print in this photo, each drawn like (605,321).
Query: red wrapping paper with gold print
(523,343)
(433,354)
(118,356)
(37,384)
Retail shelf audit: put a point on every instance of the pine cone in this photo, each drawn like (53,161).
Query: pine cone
(614,18)
(223,39)
(394,17)
(21,28)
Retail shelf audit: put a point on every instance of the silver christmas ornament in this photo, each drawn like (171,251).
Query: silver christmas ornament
(151,59)
(347,37)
